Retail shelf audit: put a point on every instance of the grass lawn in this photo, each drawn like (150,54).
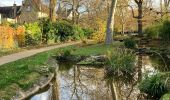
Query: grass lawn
(25,72)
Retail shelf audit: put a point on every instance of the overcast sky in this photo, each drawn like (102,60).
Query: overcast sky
(10,2)
(19,2)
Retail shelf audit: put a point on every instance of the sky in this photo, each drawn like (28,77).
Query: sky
(10,2)
(19,2)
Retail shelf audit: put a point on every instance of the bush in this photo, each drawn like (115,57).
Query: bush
(48,31)
(65,30)
(153,31)
(67,53)
(78,33)
(154,86)
(88,32)
(100,28)
(165,30)
(130,43)
(159,30)
(33,34)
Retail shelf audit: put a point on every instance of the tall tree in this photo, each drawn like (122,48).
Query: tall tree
(52,12)
(110,23)
(122,13)
(140,16)
(140,32)
(161,8)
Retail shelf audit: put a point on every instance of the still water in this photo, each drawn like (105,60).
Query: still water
(77,83)
(74,82)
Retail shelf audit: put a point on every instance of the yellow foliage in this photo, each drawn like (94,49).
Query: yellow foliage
(10,36)
(20,35)
(100,27)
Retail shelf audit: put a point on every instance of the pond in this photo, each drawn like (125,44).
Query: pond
(75,82)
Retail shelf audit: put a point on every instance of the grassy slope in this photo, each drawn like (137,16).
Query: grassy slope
(23,74)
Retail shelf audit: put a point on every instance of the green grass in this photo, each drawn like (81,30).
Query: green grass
(92,49)
(23,73)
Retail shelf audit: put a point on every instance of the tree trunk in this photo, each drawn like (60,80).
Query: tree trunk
(52,13)
(77,18)
(73,12)
(122,21)
(110,23)
(161,8)
(123,29)
(140,16)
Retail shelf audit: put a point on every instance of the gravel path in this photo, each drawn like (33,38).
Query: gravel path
(28,53)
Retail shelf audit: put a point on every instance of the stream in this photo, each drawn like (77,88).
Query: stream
(74,82)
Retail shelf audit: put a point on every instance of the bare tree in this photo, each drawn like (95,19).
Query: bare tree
(164,4)
(74,6)
(122,13)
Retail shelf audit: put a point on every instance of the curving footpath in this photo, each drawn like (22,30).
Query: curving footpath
(28,53)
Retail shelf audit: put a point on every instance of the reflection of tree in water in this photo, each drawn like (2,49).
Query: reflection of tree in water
(87,83)
(120,74)
(122,91)
(56,93)
(84,83)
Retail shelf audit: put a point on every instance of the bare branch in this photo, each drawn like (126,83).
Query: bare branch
(133,12)
(136,1)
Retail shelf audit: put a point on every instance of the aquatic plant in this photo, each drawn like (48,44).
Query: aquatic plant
(121,64)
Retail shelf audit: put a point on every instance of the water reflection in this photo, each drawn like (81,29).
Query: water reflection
(83,83)
(47,95)
(78,83)
(148,66)
(87,83)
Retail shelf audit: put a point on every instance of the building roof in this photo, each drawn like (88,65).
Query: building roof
(63,12)
(9,11)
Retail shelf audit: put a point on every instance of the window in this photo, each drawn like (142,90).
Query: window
(28,8)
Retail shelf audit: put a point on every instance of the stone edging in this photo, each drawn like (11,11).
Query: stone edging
(36,89)
(24,95)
